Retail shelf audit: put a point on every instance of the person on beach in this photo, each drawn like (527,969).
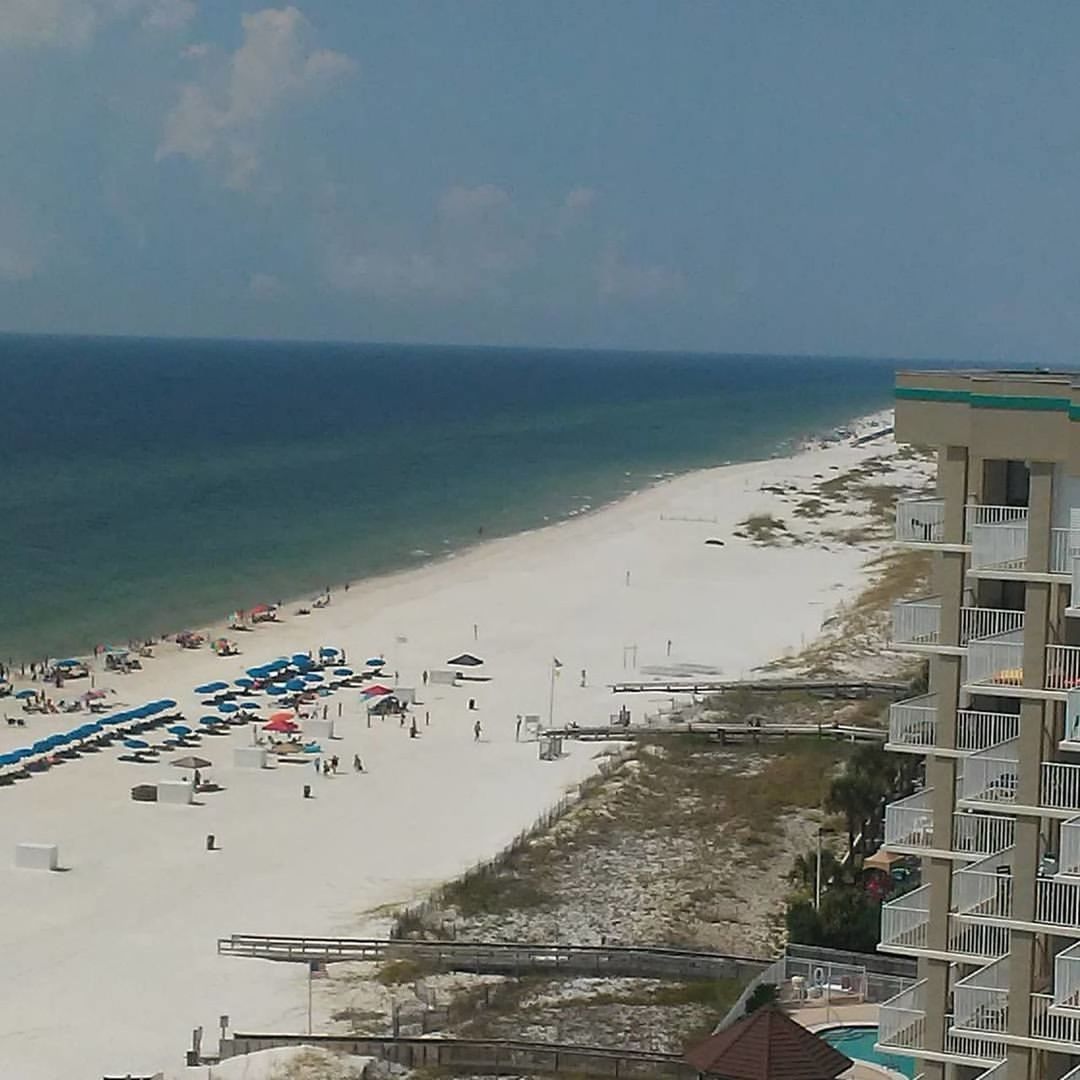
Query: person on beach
(334,764)
(427,718)
(318,766)
(517,729)
(326,768)
(357,764)
(476,731)
(413,732)
(425,677)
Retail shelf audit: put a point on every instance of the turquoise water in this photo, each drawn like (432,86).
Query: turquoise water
(153,484)
(858,1044)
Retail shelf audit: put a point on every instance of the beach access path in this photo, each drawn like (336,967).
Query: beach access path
(109,965)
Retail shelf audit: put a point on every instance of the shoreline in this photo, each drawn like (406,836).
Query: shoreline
(786,450)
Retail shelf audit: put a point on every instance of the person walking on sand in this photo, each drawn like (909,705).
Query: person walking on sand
(425,677)
(357,764)
(476,731)
(334,764)
(427,718)
(517,729)
(413,732)
(318,766)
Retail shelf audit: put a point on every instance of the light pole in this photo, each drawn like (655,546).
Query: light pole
(551,696)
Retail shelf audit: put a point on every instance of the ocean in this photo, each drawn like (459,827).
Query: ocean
(152,485)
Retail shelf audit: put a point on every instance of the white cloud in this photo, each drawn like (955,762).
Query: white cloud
(169,15)
(58,23)
(580,198)
(198,51)
(619,279)
(220,118)
(264,286)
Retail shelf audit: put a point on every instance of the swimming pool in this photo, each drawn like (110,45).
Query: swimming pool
(858,1043)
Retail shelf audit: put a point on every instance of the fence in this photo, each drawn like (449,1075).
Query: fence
(484,1056)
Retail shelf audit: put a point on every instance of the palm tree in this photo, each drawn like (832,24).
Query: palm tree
(857,798)
(803,873)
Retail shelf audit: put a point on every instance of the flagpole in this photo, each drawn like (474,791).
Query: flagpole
(551,698)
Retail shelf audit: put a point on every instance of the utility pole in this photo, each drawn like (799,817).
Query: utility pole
(817,873)
(551,698)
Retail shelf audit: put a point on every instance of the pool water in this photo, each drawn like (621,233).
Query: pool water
(858,1044)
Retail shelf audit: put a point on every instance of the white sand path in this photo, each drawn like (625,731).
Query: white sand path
(109,965)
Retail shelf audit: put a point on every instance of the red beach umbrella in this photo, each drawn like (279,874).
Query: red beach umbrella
(377,690)
(282,722)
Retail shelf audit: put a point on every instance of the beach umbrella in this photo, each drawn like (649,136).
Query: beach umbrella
(276,691)
(10,759)
(375,661)
(43,746)
(329,650)
(116,718)
(136,744)
(301,658)
(25,693)
(245,684)
(296,684)
(179,729)
(249,705)
(211,687)
(228,707)
(377,690)
(282,722)
(191,763)
(92,695)
(343,671)
(465,660)
(166,703)
(210,721)
(313,676)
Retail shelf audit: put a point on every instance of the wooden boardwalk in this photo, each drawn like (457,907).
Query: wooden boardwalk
(510,958)
(479,1056)
(724,732)
(847,689)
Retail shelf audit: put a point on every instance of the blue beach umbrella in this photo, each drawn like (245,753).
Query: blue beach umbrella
(25,693)
(136,744)
(276,691)
(210,721)
(43,746)
(328,650)
(179,729)
(10,759)
(296,684)
(344,671)
(246,684)
(375,661)
(117,718)
(246,705)
(228,707)
(313,676)
(211,687)
(301,658)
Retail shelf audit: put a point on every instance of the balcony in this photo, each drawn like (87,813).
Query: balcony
(990,776)
(1067,979)
(984,888)
(1054,1026)
(1057,903)
(909,823)
(1000,546)
(920,521)
(977,516)
(978,835)
(913,725)
(1069,857)
(917,623)
(905,922)
(978,730)
(1062,667)
(977,943)
(996,665)
(980,622)
(902,1020)
(981,1001)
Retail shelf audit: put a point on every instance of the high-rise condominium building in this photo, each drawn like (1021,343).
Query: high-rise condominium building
(995,923)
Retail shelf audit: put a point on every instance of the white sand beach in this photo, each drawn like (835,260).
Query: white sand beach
(110,964)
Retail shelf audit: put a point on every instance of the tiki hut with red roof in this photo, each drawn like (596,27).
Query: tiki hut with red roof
(767,1045)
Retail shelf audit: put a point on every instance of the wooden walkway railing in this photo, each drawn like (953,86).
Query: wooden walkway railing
(734,732)
(833,688)
(511,958)
(483,1056)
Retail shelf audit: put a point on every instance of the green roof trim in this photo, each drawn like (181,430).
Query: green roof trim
(1022,402)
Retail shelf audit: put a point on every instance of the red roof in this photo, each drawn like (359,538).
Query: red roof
(767,1045)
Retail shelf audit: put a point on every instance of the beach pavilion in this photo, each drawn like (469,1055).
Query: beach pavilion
(767,1045)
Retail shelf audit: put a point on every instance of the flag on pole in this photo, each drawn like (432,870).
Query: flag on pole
(556,663)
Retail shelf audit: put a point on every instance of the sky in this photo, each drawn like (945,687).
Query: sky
(863,178)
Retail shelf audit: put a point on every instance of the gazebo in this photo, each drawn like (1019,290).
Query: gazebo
(767,1045)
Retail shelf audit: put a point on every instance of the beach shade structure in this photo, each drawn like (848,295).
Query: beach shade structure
(343,671)
(767,1045)
(376,690)
(211,687)
(282,723)
(210,721)
(179,729)
(43,746)
(228,707)
(248,706)
(375,661)
(23,694)
(116,718)
(191,762)
(312,677)
(244,684)
(10,758)
(296,684)
(159,706)
(465,660)
(136,744)
(276,691)
(328,651)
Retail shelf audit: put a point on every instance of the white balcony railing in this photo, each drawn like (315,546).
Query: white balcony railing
(902,1019)
(1053,1026)
(977,730)
(1062,667)
(913,724)
(995,1072)
(905,922)
(909,822)
(981,622)
(970,1046)
(1067,978)
(1064,548)
(999,547)
(920,521)
(991,775)
(1059,786)
(981,1001)
(1069,855)
(1057,901)
(917,622)
(976,514)
(997,661)
(984,888)
(980,835)
(983,941)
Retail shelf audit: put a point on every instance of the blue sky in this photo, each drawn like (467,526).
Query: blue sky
(863,178)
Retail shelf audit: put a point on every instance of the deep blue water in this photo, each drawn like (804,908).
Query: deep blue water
(150,484)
